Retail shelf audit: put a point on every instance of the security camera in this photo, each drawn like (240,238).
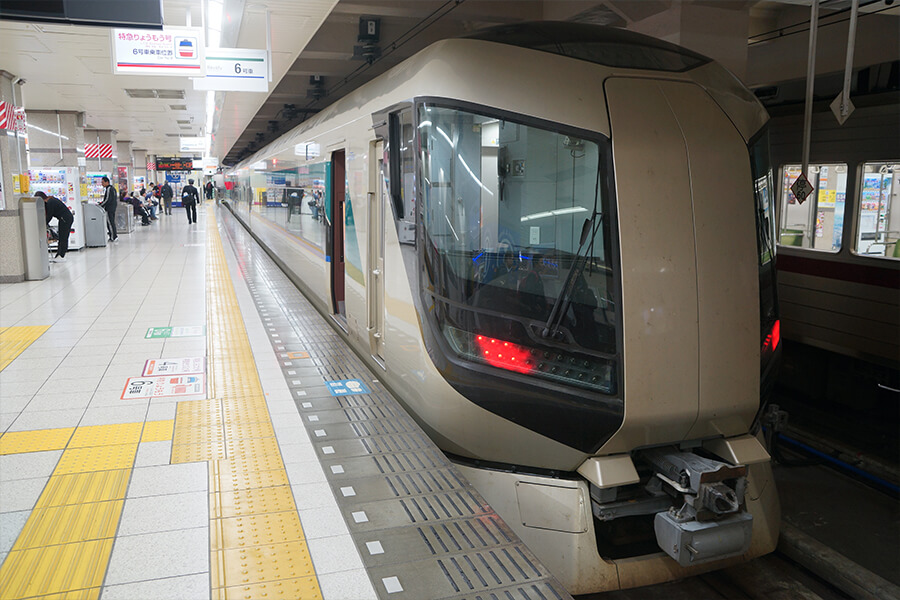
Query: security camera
(20,81)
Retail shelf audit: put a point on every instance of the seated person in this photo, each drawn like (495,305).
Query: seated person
(139,210)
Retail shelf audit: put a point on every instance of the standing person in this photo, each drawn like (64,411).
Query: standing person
(109,205)
(167,194)
(209,190)
(189,198)
(54,207)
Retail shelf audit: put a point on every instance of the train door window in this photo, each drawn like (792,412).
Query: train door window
(402,174)
(879,226)
(817,223)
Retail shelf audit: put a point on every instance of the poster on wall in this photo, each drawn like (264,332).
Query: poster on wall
(2,201)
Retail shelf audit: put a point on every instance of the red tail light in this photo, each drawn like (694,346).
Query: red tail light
(772,340)
(504,355)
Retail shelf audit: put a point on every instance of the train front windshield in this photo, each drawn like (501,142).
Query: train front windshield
(517,246)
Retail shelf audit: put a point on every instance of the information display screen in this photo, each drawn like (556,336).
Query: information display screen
(174,163)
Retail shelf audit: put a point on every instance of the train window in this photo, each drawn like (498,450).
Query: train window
(402,174)
(517,246)
(817,223)
(879,227)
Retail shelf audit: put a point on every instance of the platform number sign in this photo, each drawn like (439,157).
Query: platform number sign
(801,188)
(346,387)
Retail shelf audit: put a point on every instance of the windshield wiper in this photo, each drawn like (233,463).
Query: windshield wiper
(588,231)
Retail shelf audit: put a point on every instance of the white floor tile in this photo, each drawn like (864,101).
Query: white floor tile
(11,524)
(169,479)
(46,419)
(188,587)
(347,585)
(158,555)
(153,453)
(333,554)
(21,494)
(322,522)
(171,512)
(30,465)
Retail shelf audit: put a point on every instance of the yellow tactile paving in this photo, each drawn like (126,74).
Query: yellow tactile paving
(257,549)
(16,442)
(249,502)
(106,435)
(197,452)
(158,431)
(96,458)
(257,564)
(70,523)
(255,530)
(54,569)
(65,545)
(288,589)
(14,341)
(78,488)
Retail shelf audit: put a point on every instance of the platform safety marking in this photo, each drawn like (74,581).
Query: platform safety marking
(250,556)
(346,387)
(15,340)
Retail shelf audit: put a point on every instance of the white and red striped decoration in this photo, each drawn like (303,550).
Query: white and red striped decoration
(151,166)
(7,115)
(98,150)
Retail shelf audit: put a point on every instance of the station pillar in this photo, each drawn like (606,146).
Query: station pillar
(13,177)
(139,178)
(124,167)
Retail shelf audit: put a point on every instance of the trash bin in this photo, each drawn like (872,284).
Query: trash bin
(124,218)
(33,220)
(94,225)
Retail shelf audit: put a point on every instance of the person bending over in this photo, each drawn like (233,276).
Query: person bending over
(54,208)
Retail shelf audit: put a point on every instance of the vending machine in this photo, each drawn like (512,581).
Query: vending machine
(95,189)
(63,183)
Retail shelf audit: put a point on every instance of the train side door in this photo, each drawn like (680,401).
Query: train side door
(375,287)
(338,187)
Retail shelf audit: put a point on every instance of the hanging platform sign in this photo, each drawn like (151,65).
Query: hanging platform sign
(801,188)
(172,51)
(235,70)
(174,163)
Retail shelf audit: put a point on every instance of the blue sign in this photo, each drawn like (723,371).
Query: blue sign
(346,387)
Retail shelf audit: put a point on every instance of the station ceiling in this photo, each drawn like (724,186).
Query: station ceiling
(69,68)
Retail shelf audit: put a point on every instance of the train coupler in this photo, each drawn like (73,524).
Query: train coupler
(711,523)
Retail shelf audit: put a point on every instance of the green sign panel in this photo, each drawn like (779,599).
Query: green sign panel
(175,332)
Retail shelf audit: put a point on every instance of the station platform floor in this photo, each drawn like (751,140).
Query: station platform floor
(176,422)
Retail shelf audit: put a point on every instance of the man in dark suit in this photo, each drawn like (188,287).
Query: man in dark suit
(189,198)
(109,204)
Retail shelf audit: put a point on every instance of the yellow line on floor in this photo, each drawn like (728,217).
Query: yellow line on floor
(65,545)
(14,340)
(257,544)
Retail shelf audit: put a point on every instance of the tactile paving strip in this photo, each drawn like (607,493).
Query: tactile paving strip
(422,530)
(65,545)
(257,547)
(14,341)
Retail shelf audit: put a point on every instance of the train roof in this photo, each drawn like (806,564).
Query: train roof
(458,67)
(606,46)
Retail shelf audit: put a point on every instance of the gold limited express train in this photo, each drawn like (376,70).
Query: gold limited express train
(554,241)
